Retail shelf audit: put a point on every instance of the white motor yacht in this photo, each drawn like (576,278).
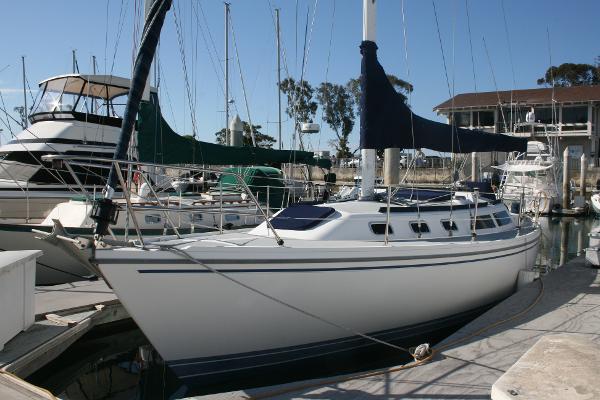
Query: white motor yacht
(77,114)
(533,176)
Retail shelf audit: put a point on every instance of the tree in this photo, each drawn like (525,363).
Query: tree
(300,104)
(338,111)
(569,74)
(402,87)
(262,140)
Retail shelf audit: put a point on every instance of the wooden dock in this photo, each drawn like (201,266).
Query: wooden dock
(472,360)
(64,313)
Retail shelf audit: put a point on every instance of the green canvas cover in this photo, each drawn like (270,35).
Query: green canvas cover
(257,179)
(158,143)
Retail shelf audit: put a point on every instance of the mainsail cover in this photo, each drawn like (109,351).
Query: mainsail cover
(387,122)
(158,143)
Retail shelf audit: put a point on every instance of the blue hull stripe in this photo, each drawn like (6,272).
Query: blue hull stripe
(326,269)
(231,363)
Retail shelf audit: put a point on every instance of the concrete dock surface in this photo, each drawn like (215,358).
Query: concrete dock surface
(54,299)
(64,313)
(472,360)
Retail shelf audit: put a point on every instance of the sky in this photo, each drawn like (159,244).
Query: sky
(522,38)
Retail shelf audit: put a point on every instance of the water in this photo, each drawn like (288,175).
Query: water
(117,362)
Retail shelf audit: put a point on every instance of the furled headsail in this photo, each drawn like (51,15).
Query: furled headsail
(387,122)
(104,210)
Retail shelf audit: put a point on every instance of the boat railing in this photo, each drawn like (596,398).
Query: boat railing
(140,169)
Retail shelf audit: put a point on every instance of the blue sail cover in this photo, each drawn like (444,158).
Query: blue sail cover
(385,120)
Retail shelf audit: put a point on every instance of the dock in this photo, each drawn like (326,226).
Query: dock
(565,303)
(63,314)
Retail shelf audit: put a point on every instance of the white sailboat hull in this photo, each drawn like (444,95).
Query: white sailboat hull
(210,326)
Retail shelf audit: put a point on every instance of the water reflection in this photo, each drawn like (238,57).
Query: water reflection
(563,239)
(119,363)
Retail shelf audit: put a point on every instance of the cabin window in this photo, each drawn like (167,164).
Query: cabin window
(484,222)
(462,119)
(419,227)
(502,218)
(152,219)
(483,118)
(197,217)
(545,115)
(575,115)
(379,229)
(232,217)
(449,227)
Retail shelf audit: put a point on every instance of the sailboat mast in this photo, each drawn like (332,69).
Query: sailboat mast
(227,139)
(24,94)
(368,156)
(278,78)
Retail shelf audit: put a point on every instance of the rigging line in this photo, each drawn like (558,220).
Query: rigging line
(210,36)
(495,84)
(310,34)
(327,67)
(185,71)
(452,125)
(296,32)
(106,35)
(510,57)
(237,56)
(437,23)
(471,45)
(409,98)
(7,123)
(33,100)
(195,34)
(120,25)
(212,53)
(283,53)
(551,75)
(169,101)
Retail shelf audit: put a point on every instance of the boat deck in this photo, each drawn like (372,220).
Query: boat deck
(474,359)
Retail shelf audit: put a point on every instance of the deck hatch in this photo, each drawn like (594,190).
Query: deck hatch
(301,217)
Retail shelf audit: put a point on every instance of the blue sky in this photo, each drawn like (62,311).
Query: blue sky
(46,33)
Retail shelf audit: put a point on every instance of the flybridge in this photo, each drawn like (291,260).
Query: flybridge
(96,99)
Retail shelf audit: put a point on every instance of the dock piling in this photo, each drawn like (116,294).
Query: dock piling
(566,198)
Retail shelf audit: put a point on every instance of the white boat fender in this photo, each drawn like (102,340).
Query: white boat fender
(421,352)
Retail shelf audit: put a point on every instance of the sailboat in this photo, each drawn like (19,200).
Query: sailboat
(320,280)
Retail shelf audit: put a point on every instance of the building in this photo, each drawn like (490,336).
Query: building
(575,113)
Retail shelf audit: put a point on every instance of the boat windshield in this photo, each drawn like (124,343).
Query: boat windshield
(68,95)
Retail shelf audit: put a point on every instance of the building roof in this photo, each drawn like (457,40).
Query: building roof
(573,94)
